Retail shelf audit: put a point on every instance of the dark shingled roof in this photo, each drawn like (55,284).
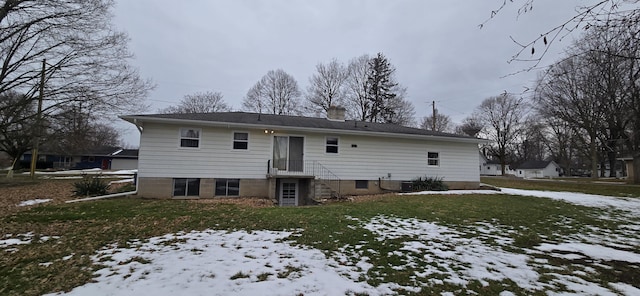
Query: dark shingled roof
(533,164)
(296,121)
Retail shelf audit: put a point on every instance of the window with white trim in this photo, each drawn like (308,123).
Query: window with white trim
(186,187)
(190,137)
(240,141)
(433,158)
(227,187)
(331,145)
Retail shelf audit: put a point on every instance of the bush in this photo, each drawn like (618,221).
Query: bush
(429,184)
(90,186)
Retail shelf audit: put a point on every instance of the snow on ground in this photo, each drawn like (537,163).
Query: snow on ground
(590,200)
(33,202)
(11,241)
(215,262)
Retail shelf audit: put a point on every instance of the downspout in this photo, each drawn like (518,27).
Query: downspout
(382,188)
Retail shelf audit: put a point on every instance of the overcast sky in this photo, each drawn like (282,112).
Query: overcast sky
(439,52)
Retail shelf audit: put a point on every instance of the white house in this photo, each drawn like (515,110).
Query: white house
(290,158)
(124,159)
(490,167)
(538,169)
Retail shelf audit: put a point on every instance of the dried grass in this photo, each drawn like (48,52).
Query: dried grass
(58,191)
(254,202)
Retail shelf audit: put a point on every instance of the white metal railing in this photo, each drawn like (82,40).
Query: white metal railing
(305,168)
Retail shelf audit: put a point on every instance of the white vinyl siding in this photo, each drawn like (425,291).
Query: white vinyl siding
(159,156)
(404,159)
(359,157)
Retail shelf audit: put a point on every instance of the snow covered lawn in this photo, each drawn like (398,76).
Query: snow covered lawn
(386,255)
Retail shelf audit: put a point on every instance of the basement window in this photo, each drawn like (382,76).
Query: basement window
(433,158)
(362,184)
(186,187)
(227,187)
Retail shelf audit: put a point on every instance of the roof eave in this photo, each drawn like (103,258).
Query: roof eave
(136,120)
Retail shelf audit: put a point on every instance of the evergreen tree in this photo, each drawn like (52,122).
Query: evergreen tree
(380,94)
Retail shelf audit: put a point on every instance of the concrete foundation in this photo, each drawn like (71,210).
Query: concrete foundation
(162,188)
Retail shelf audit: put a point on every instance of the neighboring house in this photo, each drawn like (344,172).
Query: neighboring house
(102,157)
(618,171)
(95,158)
(124,159)
(630,162)
(295,160)
(491,167)
(538,169)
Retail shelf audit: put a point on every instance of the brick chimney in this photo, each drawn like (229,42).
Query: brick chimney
(336,113)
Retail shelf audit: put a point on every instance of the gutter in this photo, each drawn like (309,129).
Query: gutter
(136,120)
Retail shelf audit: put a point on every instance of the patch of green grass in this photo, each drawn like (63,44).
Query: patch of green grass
(584,186)
(84,228)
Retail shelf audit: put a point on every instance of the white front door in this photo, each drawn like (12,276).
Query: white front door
(288,192)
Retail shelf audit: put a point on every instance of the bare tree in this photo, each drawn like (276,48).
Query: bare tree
(442,122)
(403,110)
(357,103)
(277,93)
(533,141)
(200,102)
(17,123)
(86,59)
(76,130)
(471,126)
(566,93)
(327,86)
(593,91)
(502,117)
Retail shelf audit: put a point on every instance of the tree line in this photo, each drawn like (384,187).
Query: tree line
(583,112)
(366,87)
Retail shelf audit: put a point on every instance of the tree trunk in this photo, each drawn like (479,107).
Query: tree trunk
(594,158)
(636,169)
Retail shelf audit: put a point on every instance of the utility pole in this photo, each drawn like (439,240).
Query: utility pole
(38,128)
(433,121)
